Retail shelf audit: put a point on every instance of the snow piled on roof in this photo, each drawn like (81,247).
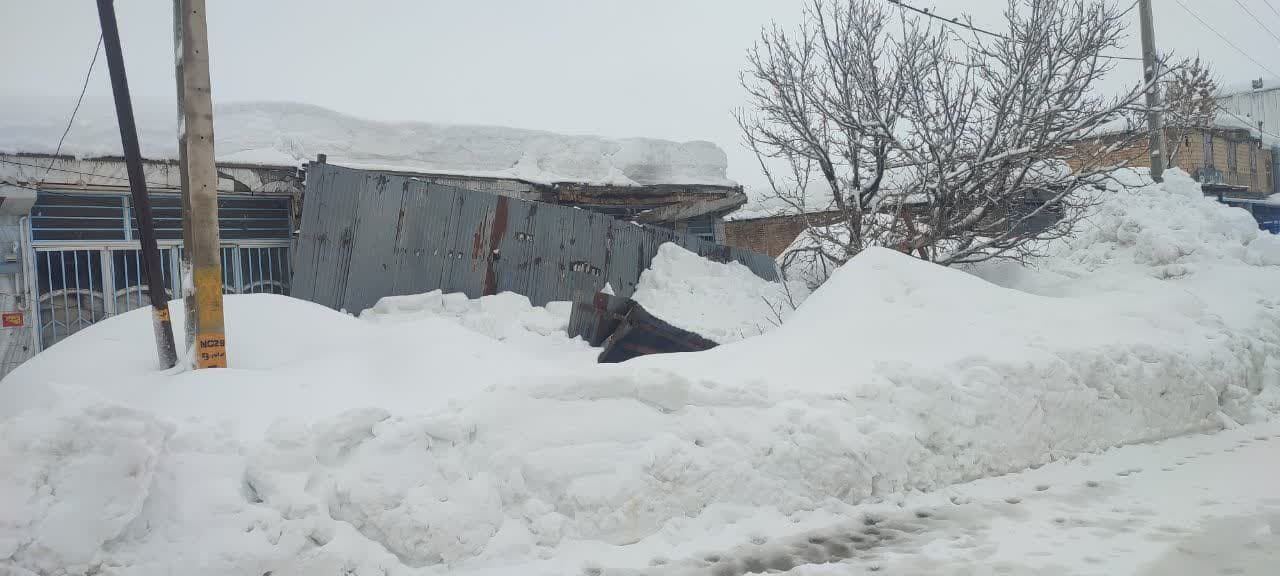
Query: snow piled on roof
(1246,86)
(283,133)
(416,441)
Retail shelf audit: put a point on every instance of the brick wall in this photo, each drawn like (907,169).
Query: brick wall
(769,235)
(1254,173)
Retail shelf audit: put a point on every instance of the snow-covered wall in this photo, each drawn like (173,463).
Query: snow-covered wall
(283,133)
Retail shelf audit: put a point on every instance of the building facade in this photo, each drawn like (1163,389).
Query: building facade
(71,255)
(1234,156)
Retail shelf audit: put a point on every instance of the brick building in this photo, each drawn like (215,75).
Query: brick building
(1227,154)
(770,234)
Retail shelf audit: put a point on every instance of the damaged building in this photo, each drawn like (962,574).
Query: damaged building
(72,257)
(696,209)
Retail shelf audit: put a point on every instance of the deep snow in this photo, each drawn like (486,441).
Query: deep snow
(721,302)
(436,435)
(287,133)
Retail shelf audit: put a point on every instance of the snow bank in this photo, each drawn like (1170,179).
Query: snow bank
(721,302)
(1165,253)
(404,442)
(284,133)
(507,317)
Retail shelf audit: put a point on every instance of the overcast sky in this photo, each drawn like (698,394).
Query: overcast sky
(653,68)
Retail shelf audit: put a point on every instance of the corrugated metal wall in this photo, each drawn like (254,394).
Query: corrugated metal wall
(366,235)
(1260,106)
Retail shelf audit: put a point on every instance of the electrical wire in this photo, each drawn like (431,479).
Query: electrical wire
(1224,38)
(957,22)
(1272,7)
(1256,19)
(1252,125)
(70,121)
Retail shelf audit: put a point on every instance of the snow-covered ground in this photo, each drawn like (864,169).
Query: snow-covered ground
(287,133)
(436,435)
(1200,505)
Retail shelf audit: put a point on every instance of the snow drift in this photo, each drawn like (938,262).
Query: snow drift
(405,442)
(721,302)
(286,133)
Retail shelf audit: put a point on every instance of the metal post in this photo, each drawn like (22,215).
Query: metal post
(1155,119)
(199,182)
(137,185)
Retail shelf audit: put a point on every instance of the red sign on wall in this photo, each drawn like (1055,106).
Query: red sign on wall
(12,319)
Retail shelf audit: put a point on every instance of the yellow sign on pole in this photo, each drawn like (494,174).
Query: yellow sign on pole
(205,328)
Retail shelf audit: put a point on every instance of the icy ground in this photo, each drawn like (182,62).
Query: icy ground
(287,133)
(437,435)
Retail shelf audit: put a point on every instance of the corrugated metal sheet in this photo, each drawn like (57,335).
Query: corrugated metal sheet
(1260,106)
(366,235)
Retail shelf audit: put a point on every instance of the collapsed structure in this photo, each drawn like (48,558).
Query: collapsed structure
(73,257)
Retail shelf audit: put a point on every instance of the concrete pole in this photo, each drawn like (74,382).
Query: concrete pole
(199,186)
(151,268)
(1155,119)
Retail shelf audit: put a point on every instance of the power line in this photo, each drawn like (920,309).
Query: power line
(1256,19)
(74,111)
(1224,38)
(1252,125)
(957,22)
(1272,7)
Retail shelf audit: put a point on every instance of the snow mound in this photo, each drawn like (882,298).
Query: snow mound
(1167,254)
(721,302)
(286,133)
(54,470)
(507,317)
(898,374)
(432,436)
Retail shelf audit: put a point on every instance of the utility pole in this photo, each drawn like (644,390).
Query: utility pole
(1155,118)
(138,187)
(201,245)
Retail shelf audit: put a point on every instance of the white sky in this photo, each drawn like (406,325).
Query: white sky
(653,68)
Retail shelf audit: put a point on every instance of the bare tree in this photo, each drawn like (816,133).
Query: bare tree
(897,132)
(1189,104)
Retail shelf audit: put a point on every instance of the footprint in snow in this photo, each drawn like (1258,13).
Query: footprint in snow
(1041,487)
(1013,500)
(1092,484)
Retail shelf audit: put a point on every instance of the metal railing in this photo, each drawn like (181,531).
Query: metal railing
(77,286)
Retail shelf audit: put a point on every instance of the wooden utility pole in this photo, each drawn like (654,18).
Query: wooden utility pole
(1155,118)
(151,269)
(201,243)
